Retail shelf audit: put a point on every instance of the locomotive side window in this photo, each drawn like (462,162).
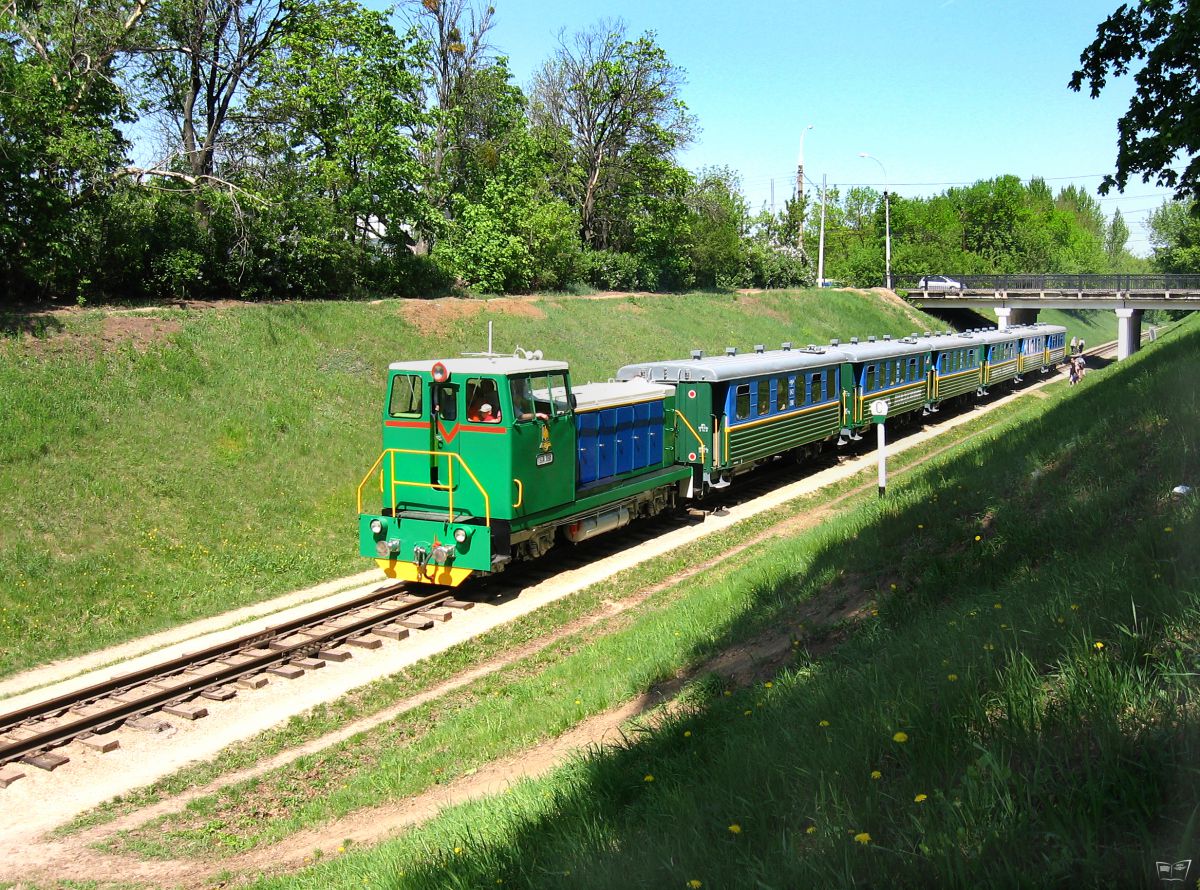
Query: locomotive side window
(406,396)
(559,396)
(743,401)
(483,401)
(447,401)
(870,384)
(522,398)
(764,397)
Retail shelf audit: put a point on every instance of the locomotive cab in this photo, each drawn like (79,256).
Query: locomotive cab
(494,458)
(460,437)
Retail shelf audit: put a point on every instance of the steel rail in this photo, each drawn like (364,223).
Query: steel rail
(176,691)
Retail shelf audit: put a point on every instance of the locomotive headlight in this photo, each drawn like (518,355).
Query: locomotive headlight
(376,527)
(460,535)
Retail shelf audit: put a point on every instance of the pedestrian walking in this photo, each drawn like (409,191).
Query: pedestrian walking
(1073,370)
(1074,345)
(1081,346)
(1082,361)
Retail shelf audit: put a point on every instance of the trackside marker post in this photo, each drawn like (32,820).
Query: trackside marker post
(879,410)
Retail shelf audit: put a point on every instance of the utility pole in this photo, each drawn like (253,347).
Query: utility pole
(800,188)
(821,246)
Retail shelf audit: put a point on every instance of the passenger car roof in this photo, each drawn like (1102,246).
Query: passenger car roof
(734,367)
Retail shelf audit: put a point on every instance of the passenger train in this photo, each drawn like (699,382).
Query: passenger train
(493,458)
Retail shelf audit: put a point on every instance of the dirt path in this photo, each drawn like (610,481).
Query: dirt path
(26,855)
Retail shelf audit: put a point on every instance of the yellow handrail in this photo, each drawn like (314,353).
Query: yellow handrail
(703,450)
(449,487)
(520,494)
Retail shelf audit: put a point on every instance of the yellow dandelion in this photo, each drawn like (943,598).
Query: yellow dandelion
(812,829)
(1168,529)
(694,884)
(900,737)
(920,525)
(998,606)
(342,849)
(978,538)
(863,838)
(728,693)
(1074,607)
(458,851)
(953,678)
(647,778)
(893,586)
(1097,645)
(769,684)
(687,733)
(920,798)
(748,711)
(876,774)
(578,701)
(823,723)
(735,828)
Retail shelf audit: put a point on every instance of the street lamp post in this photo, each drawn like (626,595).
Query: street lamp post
(800,187)
(887,220)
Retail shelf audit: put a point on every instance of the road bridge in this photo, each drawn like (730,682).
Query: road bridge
(1017,299)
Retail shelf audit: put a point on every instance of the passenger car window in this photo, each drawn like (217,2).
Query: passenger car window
(764,398)
(781,394)
(742,400)
(406,396)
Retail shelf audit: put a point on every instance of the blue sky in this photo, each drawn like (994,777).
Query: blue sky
(943,92)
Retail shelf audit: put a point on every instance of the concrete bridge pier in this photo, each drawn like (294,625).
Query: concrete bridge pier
(1129,331)
(1007,316)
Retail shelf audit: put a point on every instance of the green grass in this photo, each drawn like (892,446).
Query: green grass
(143,488)
(1030,755)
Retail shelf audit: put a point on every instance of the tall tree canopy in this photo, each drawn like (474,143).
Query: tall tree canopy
(618,102)
(1161,130)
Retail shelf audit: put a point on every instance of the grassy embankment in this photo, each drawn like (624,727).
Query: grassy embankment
(216,467)
(1012,704)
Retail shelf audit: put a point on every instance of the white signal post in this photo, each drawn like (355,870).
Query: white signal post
(879,410)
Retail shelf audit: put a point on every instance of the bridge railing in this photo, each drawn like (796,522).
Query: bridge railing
(1065,282)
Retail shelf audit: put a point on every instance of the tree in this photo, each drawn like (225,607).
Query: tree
(617,102)
(1161,128)
(197,67)
(60,111)
(456,34)
(1175,236)
(336,114)
(1116,236)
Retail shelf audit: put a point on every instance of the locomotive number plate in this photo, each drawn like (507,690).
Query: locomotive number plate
(547,458)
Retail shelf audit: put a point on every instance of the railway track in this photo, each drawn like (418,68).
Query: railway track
(180,686)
